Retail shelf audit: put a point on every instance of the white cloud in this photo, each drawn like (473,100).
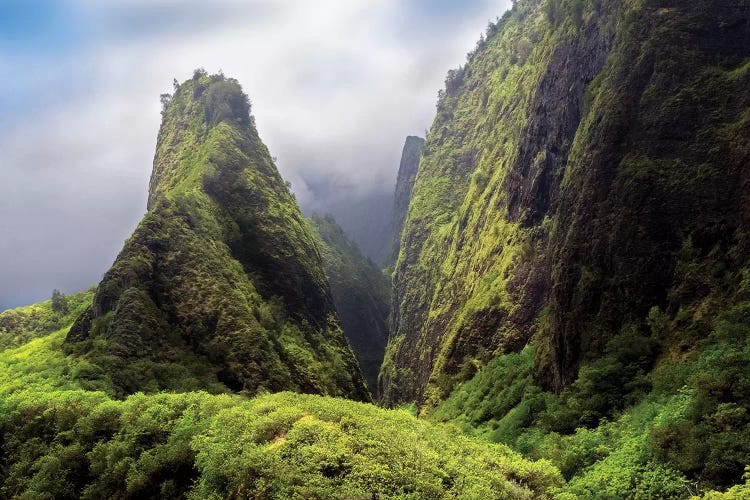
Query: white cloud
(335,86)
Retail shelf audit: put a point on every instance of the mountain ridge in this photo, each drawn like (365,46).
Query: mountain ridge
(222,272)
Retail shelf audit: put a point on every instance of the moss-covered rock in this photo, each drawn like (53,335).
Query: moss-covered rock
(223,271)
(588,163)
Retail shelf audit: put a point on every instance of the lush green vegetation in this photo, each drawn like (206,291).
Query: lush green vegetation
(680,428)
(572,287)
(18,326)
(361,293)
(573,275)
(622,430)
(71,444)
(221,285)
(65,436)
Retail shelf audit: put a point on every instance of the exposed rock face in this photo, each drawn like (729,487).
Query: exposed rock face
(661,164)
(585,156)
(361,293)
(407,173)
(222,280)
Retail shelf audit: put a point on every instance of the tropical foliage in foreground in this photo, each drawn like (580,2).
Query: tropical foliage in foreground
(621,431)
(65,436)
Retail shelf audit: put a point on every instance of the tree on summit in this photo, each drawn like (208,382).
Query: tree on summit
(59,302)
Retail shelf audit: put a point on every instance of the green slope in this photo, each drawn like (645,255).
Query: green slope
(222,276)
(65,436)
(18,326)
(361,293)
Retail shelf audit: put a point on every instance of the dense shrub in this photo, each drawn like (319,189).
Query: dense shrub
(625,429)
(70,444)
(60,440)
(291,446)
(711,440)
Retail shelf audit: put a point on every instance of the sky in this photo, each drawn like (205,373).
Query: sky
(335,86)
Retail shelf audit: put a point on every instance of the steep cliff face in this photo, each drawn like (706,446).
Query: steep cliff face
(657,181)
(407,173)
(582,165)
(361,293)
(222,280)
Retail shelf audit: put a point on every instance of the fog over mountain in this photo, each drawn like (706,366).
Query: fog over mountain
(335,86)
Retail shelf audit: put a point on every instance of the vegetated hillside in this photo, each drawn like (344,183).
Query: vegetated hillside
(65,436)
(221,283)
(18,326)
(407,173)
(361,293)
(584,194)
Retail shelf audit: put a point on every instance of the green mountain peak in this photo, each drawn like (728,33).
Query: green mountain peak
(222,279)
